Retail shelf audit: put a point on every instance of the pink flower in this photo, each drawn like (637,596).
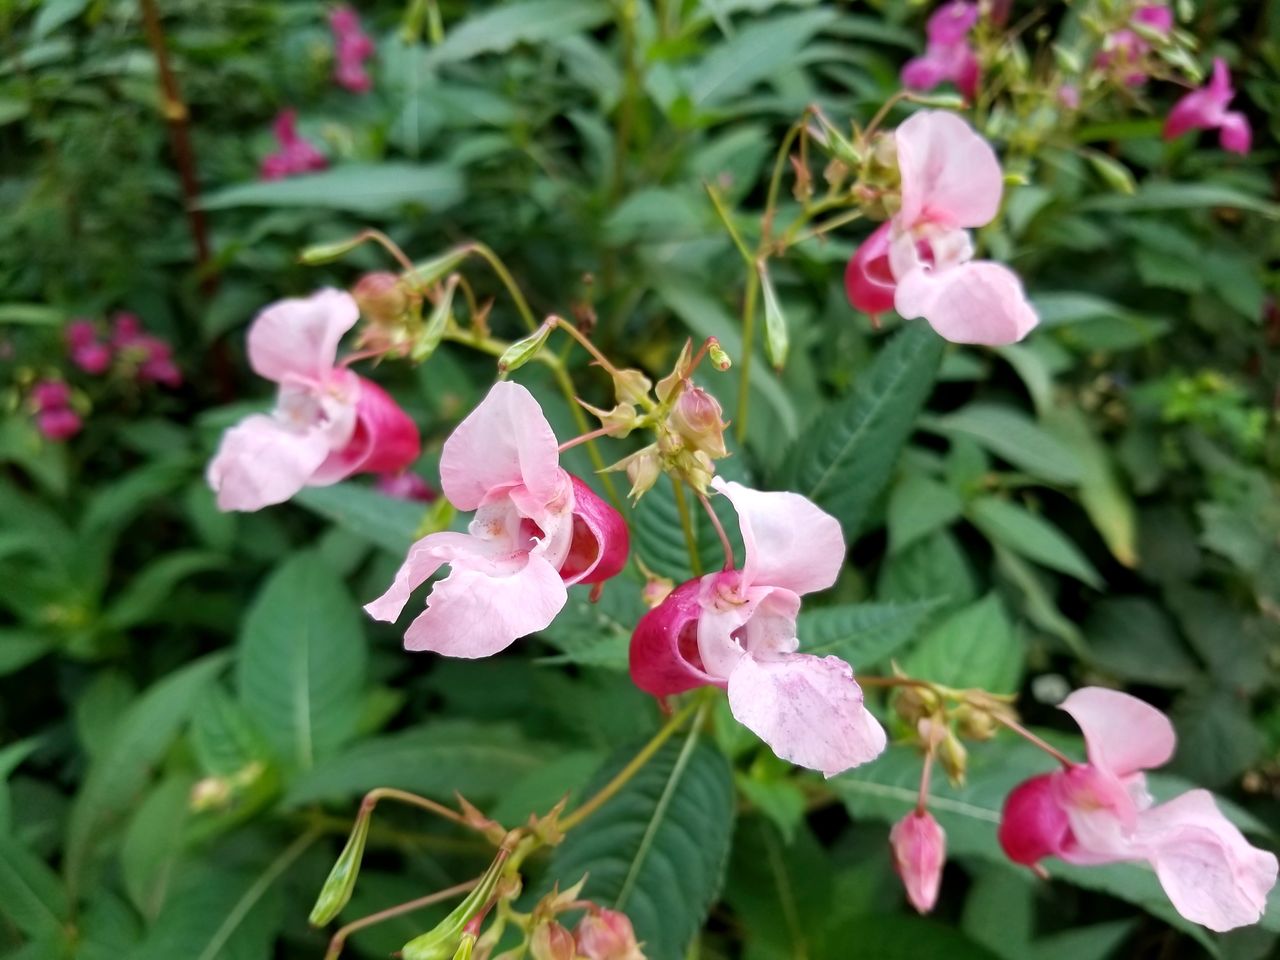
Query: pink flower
(50,395)
(1206,109)
(405,486)
(537,530)
(352,47)
(296,154)
(951,181)
(737,630)
(59,424)
(125,328)
(919,852)
(1125,50)
(87,352)
(606,935)
(1069,96)
(1100,812)
(328,423)
(948,57)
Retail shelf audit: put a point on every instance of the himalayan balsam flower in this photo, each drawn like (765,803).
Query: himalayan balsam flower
(328,423)
(151,356)
(86,351)
(1206,109)
(948,56)
(737,630)
(606,935)
(537,530)
(296,154)
(1100,812)
(405,486)
(919,852)
(55,419)
(1126,50)
(351,48)
(921,261)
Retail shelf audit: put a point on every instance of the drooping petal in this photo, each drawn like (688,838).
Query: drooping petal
(975,302)
(868,280)
(1211,873)
(950,23)
(425,557)
(503,442)
(600,541)
(261,461)
(790,541)
(385,439)
(1234,133)
(1033,824)
(808,709)
(664,646)
(299,337)
(950,175)
(1122,733)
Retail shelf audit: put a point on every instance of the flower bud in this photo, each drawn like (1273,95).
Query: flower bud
(643,469)
(719,359)
(976,724)
(696,418)
(656,589)
(618,422)
(914,704)
(954,758)
(337,889)
(381,297)
(777,340)
(919,851)
(607,935)
(551,941)
(522,351)
(632,386)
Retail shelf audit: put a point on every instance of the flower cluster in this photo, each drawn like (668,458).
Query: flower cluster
(55,419)
(1126,52)
(351,48)
(129,348)
(295,155)
(949,57)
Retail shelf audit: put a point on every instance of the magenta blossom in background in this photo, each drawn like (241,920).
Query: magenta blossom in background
(86,350)
(919,852)
(537,530)
(1100,812)
(948,55)
(351,48)
(1206,109)
(1126,50)
(148,355)
(296,154)
(405,486)
(737,630)
(921,261)
(328,423)
(54,417)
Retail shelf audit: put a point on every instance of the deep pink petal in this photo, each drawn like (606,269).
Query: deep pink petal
(974,302)
(504,441)
(950,175)
(385,439)
(261,461)
(868,280)
(50,395)
(951,22)
(299,337)
(808,709)
(919,852)
(1122,733)
(664,646)
(790,541)
(1156,16)
(923,73)
(1235,135)
(1211,873)
(1033,824)
(58,424)
(600,542)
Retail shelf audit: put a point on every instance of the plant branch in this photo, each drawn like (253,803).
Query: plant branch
(686,525)
(339,939)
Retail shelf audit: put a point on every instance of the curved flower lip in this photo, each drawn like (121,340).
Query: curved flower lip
(600,544)
(1033,824)
(868,279)
(1206,109)
(663,657)
(385,439)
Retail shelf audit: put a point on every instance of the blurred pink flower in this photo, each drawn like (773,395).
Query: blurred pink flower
(50,395)
(948,56)
(737,629)
(1206,109)
(296,154)
(405,486)
(919,852)
(951,181)
(537,530)
(1126,50)
(86,351)
(1069,96)
(1100,812)
(58,425)
(328,423)
(150,356)
(606,935)
(351,48)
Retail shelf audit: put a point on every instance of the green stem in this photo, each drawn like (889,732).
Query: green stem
(775,181)
(508,281)
(340,938)
(686,524)
(584,426)
(748,347)
(723,213)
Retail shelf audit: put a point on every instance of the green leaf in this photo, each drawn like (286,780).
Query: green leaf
(388,522)
(1154,195)
(153,584)
(919,505)
(368,188)
(153,844)
(862,633)
(500,28)
(1104,499)
(140,739)
(597,634)
(216,913)
(435,760)
(935,569)
(1013,436)
(224,737)
(21,647)
(897,937)
(974,647)
(847,457)
(300,661)
(657,850)
(1030,535)
(752,55)
(53,14)
(1135,639)
(30,893)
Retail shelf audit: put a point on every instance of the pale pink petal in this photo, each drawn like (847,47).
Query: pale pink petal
(600,541)
(976,302)
(1122,733)
(664,652)
(868,280)
(790,541)
(503,442)
(1212,875)
(261,461)
(950,175)
(808,709)
(299,337)
(385,439)
(425,557)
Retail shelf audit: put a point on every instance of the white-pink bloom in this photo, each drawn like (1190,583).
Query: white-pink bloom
(951,183)
(1100,812)
(737,630)
(537,530)
(328,423)
(919,847)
